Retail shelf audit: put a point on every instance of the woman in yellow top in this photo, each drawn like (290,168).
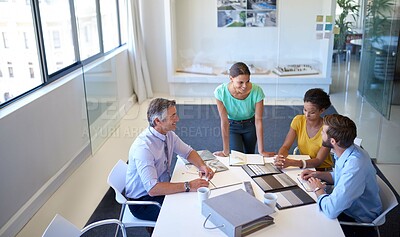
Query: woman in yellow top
(307,128)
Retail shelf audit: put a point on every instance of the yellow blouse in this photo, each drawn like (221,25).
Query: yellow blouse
(309,145)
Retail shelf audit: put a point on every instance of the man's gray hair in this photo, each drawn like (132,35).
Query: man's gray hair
(158,109)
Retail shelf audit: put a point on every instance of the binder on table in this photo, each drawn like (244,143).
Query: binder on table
(293,198)
(236,213)
(274,182)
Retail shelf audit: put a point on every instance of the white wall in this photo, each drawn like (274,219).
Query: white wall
(43,140)
(38,145)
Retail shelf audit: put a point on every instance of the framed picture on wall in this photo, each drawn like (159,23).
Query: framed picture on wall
(247,13)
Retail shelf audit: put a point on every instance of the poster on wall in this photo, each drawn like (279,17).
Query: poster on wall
(247,13)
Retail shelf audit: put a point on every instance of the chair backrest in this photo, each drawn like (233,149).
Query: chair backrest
(388,199)
(61,227)
(116,179)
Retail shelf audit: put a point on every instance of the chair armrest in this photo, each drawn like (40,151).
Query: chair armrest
(143,203)
(295,150)
(105,222)
(355,223)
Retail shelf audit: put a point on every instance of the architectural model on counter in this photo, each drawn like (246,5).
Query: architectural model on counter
(210,70)
(198,69)
(295,70)
(254,70)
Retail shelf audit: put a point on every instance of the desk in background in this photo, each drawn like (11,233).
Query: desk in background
(180,214)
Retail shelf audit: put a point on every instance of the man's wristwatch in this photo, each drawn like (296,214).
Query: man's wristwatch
(187,186)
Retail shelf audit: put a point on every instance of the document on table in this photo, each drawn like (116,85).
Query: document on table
(224,179)
(239,158)
(220,179)
(215,164)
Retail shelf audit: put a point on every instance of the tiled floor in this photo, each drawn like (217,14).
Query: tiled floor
(77,198)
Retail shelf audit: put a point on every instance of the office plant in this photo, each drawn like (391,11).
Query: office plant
(377,23)
(349,8)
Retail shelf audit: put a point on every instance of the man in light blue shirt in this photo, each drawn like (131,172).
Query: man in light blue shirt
(149,168)
(356,192)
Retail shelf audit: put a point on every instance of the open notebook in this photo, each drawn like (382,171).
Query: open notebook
(239,158)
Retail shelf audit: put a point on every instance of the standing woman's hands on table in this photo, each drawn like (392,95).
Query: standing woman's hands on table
(268,153)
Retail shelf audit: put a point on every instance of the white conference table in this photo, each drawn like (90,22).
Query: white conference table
(180,214)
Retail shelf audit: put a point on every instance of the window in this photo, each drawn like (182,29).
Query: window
(15,80)
(109,24)
(88,30)
(123,20)
(56,27)
(68,36)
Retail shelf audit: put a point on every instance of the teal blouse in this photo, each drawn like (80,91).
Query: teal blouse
(239,109)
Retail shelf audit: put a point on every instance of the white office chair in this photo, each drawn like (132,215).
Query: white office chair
(389,201)
(61,227)
(116,179)
(296,151)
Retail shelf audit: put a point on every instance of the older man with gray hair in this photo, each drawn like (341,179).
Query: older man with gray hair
(149,169)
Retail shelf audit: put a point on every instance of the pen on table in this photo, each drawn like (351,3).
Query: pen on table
(212,183)
(225,186)
(201,174)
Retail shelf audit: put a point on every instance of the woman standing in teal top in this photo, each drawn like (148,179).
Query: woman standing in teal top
(240,105)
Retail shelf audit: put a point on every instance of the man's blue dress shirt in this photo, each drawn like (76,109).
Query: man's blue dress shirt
(148,162)
(356,191)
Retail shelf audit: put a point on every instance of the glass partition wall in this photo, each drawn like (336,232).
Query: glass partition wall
(101,101)
(378,83)
(368,81)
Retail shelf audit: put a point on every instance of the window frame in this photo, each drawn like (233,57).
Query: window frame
(47,78)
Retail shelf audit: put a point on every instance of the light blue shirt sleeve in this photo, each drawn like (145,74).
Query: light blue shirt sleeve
(355,188)
(148,162)
(239,109)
